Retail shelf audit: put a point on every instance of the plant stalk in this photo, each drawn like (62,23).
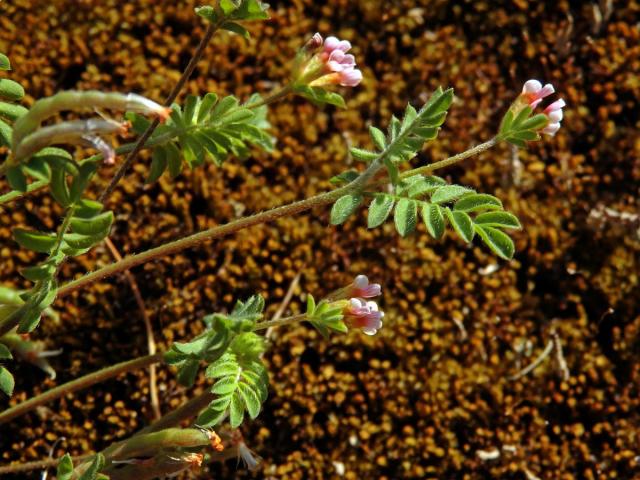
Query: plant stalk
(78,384)
(259,218)
(211,29)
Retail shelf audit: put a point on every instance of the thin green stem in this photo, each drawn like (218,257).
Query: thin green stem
(274,97)
(38,465)
(78,384)
(15,194)
(211,29)
(63,230)
(187,410)
(259,218)
(210,234)
(280,322)
(452,160)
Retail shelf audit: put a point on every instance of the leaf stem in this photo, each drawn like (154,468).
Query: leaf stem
(79,384)
(210,234)
(38,465)
(263,217)
(274,97)
(15,194)
(278,322)
(452,160)
(211,29)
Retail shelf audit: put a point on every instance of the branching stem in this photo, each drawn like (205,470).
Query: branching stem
(211,29)
(79,384)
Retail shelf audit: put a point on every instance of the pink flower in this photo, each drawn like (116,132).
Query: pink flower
(533,93)
(331,44)
(363,289)
(332,64)
(364,315)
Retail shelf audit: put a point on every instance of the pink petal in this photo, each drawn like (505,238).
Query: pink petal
(344,45)
(531,86)
(535,103)
(551,129)
(546,91)
(350,78)
(361,281)
(349,60)
(557,105)
(336,56)
(555,116)
(330,44)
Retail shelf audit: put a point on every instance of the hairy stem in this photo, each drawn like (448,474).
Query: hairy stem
(210,234)
(15,194)
(208,34)
(151,342)
(259,218)
(452,160)
(38,465)
(279,322)
(78,384)
(187,410)
(274,97)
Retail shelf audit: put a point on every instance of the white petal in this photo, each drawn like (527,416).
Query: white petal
(531,86)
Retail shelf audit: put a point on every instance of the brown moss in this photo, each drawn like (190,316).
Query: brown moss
(421,398)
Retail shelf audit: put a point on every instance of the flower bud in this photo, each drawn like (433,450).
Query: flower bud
(331,66)
(533,93)
(363,289)
(363,315)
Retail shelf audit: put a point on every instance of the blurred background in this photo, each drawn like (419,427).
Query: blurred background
(430,396)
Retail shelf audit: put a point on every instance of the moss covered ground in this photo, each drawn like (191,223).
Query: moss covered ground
(430,396)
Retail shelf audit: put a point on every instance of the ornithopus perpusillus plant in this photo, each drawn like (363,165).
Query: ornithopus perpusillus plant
(213,128)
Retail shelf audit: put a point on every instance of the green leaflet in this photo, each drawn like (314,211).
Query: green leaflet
(5,64)
(319,95)
(241,382)
(433,219)
(462,224)
(498,219)
(498,241)
(5,354)
(449,193)
(11,90)
(208,128)
(32,240)
(379,210)
(6,381)
(477,202)
(65,468)
(406,216)
(344,207)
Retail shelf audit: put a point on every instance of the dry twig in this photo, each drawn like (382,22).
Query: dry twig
(151,343)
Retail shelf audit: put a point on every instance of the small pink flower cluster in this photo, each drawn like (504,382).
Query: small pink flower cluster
(533,93)
(337,67)
(359,312)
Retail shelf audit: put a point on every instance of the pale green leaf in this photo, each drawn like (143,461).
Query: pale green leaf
(379,210)
(405,216)
(498,219)
(498,241)
(344,207)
